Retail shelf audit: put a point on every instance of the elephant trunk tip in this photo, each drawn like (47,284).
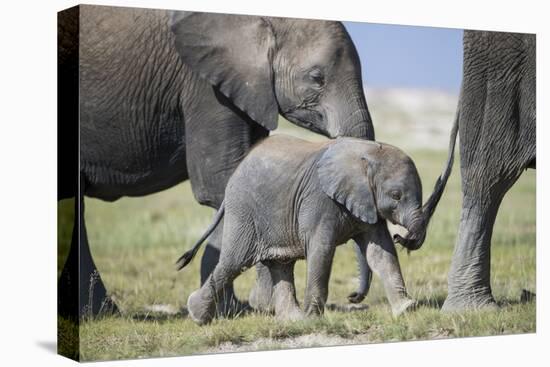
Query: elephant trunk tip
(409,243)
(414,239)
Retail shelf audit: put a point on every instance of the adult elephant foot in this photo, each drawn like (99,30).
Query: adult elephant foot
(469,284)
(87,301)
(97,302)
(92,302)
(480,300)
(81,292)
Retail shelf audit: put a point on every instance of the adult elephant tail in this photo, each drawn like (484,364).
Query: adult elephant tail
(429,207)
(189,255)
(417,232)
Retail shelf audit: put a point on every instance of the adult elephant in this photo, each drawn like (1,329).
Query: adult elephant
(170,96)
(496,117)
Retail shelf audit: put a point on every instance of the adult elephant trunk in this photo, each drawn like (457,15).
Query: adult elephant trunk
(417,223)
(352,118)
(358,124)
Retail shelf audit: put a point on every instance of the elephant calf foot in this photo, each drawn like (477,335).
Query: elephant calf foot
(261,299)
(356,297)
(201,310)
(405,305)
(315,307)
(230,306)
(291,314)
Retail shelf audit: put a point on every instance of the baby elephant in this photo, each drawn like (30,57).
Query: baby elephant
(290,199)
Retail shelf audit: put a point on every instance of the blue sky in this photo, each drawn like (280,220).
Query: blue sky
(407,56)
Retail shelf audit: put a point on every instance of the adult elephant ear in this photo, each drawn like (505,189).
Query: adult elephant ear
(232,52)
(344,172)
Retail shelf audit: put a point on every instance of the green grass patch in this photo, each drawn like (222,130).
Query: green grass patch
(135,242)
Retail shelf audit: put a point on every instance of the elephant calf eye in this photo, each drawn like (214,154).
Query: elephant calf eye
(317,77)
(395,195)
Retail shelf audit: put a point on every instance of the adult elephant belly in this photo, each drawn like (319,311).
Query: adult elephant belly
(132,126)
(132,158)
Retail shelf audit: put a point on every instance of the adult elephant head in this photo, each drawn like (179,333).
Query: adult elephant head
(306,70)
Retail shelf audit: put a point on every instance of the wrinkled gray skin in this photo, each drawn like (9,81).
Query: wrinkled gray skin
(290,199)
(166,97)
(496,118)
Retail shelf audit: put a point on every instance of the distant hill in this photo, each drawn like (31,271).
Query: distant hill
(412,118)
(408,118)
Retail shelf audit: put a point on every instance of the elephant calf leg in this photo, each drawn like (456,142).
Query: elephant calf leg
(319,264)
(382,258)
(228,305)
(202,304)
(284,293)
(365,275)
(260,297)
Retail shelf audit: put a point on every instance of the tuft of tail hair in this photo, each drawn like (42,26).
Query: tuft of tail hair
(189,255)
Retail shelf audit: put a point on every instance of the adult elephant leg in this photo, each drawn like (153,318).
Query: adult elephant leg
(497,125)
(382,258)
(487,174)
(469,279)
(80,286)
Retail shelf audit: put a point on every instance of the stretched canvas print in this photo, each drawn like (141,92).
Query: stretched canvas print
(239,183)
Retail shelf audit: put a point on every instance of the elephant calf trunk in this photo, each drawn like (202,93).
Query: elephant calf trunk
(416,233)
(418,228)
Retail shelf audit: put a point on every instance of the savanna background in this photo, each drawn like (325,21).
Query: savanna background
(412,76)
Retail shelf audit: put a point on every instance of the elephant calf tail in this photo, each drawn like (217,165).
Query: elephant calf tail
(189,255)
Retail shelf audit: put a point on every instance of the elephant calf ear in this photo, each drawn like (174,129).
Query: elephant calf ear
(233,53)
(343,173)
